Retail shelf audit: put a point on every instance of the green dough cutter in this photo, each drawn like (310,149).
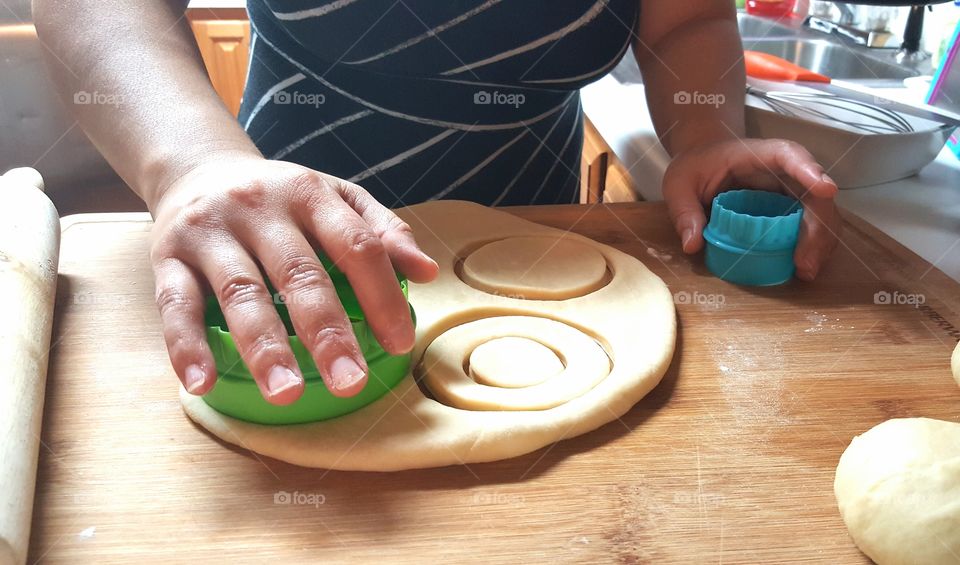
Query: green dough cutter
(236,394)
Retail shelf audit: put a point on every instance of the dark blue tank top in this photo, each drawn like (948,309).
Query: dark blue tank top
(424,99)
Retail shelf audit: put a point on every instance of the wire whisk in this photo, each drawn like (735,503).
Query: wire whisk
(828,108)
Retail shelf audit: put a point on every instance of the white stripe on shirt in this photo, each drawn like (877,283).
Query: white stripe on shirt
(401,157)
(313,12)
(429,33)
(317,133)
(477,169)
(583,20)
(269,94)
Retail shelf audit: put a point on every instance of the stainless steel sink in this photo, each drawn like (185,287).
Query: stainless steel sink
(756,27)
(833,59)
(811,49)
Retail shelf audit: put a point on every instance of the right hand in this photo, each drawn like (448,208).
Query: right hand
(220,223)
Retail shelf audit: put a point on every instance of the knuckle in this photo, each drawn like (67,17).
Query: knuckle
(180,340)
(197,214)
(171,300)
(239,290)
(264,346)
(251,195)
(301,272)
(305,183)
(362,244)
(398,226)
(328,335)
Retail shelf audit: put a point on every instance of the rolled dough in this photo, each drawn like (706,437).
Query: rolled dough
(630,320)
(898,489)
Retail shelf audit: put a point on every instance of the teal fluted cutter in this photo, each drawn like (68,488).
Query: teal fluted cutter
(751,237)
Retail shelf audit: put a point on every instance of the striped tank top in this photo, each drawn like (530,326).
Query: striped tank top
(418,100)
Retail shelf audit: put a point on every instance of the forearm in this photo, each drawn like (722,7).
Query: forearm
(694,78)
(149,105)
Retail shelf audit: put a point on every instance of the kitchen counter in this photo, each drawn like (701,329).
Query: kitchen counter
(922,212)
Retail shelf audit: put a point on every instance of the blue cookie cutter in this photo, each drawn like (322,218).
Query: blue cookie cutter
(751,237)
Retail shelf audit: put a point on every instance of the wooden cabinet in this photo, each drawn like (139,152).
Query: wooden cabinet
(603,178)
(225,46)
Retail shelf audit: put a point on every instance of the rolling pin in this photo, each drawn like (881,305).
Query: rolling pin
(29,252)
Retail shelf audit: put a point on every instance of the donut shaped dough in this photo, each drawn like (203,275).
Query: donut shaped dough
(898,489)
(445,375)
(631,315)
(536,268)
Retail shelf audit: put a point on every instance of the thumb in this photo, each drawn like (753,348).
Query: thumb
(685,210)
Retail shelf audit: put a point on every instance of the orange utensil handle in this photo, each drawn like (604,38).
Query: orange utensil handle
(771,67)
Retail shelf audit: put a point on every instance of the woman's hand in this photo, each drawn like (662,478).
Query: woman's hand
(221,224)
(697,175)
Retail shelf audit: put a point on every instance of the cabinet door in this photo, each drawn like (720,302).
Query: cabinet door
(225,45)
(603,178)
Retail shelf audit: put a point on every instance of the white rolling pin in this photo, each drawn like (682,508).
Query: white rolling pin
(29,252)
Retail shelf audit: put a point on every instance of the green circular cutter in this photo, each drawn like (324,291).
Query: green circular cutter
(236,394)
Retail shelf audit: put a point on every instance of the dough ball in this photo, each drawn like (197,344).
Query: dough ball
(898,489)
(955,364)
(536,268)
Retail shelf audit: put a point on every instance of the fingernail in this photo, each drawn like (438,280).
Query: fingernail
(345,372)
(807,269)
(194,377)
(427,257)
(826,178)
(281,379)
(686,238)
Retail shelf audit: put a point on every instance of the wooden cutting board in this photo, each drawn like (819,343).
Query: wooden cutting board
(730,459)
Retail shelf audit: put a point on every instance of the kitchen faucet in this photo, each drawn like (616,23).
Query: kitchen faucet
(909,51)
(847,17)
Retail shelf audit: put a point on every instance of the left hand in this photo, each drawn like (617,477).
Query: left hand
(697,175)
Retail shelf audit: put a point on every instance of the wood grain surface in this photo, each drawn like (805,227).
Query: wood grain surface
(731,458)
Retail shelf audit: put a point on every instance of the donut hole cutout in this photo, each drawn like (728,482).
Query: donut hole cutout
(513,362)
(534,268)
(444,368)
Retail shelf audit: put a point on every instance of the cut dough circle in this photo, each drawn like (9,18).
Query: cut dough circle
(513,362)
(898,489)
(586,364)
(536,268)
(632,313)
